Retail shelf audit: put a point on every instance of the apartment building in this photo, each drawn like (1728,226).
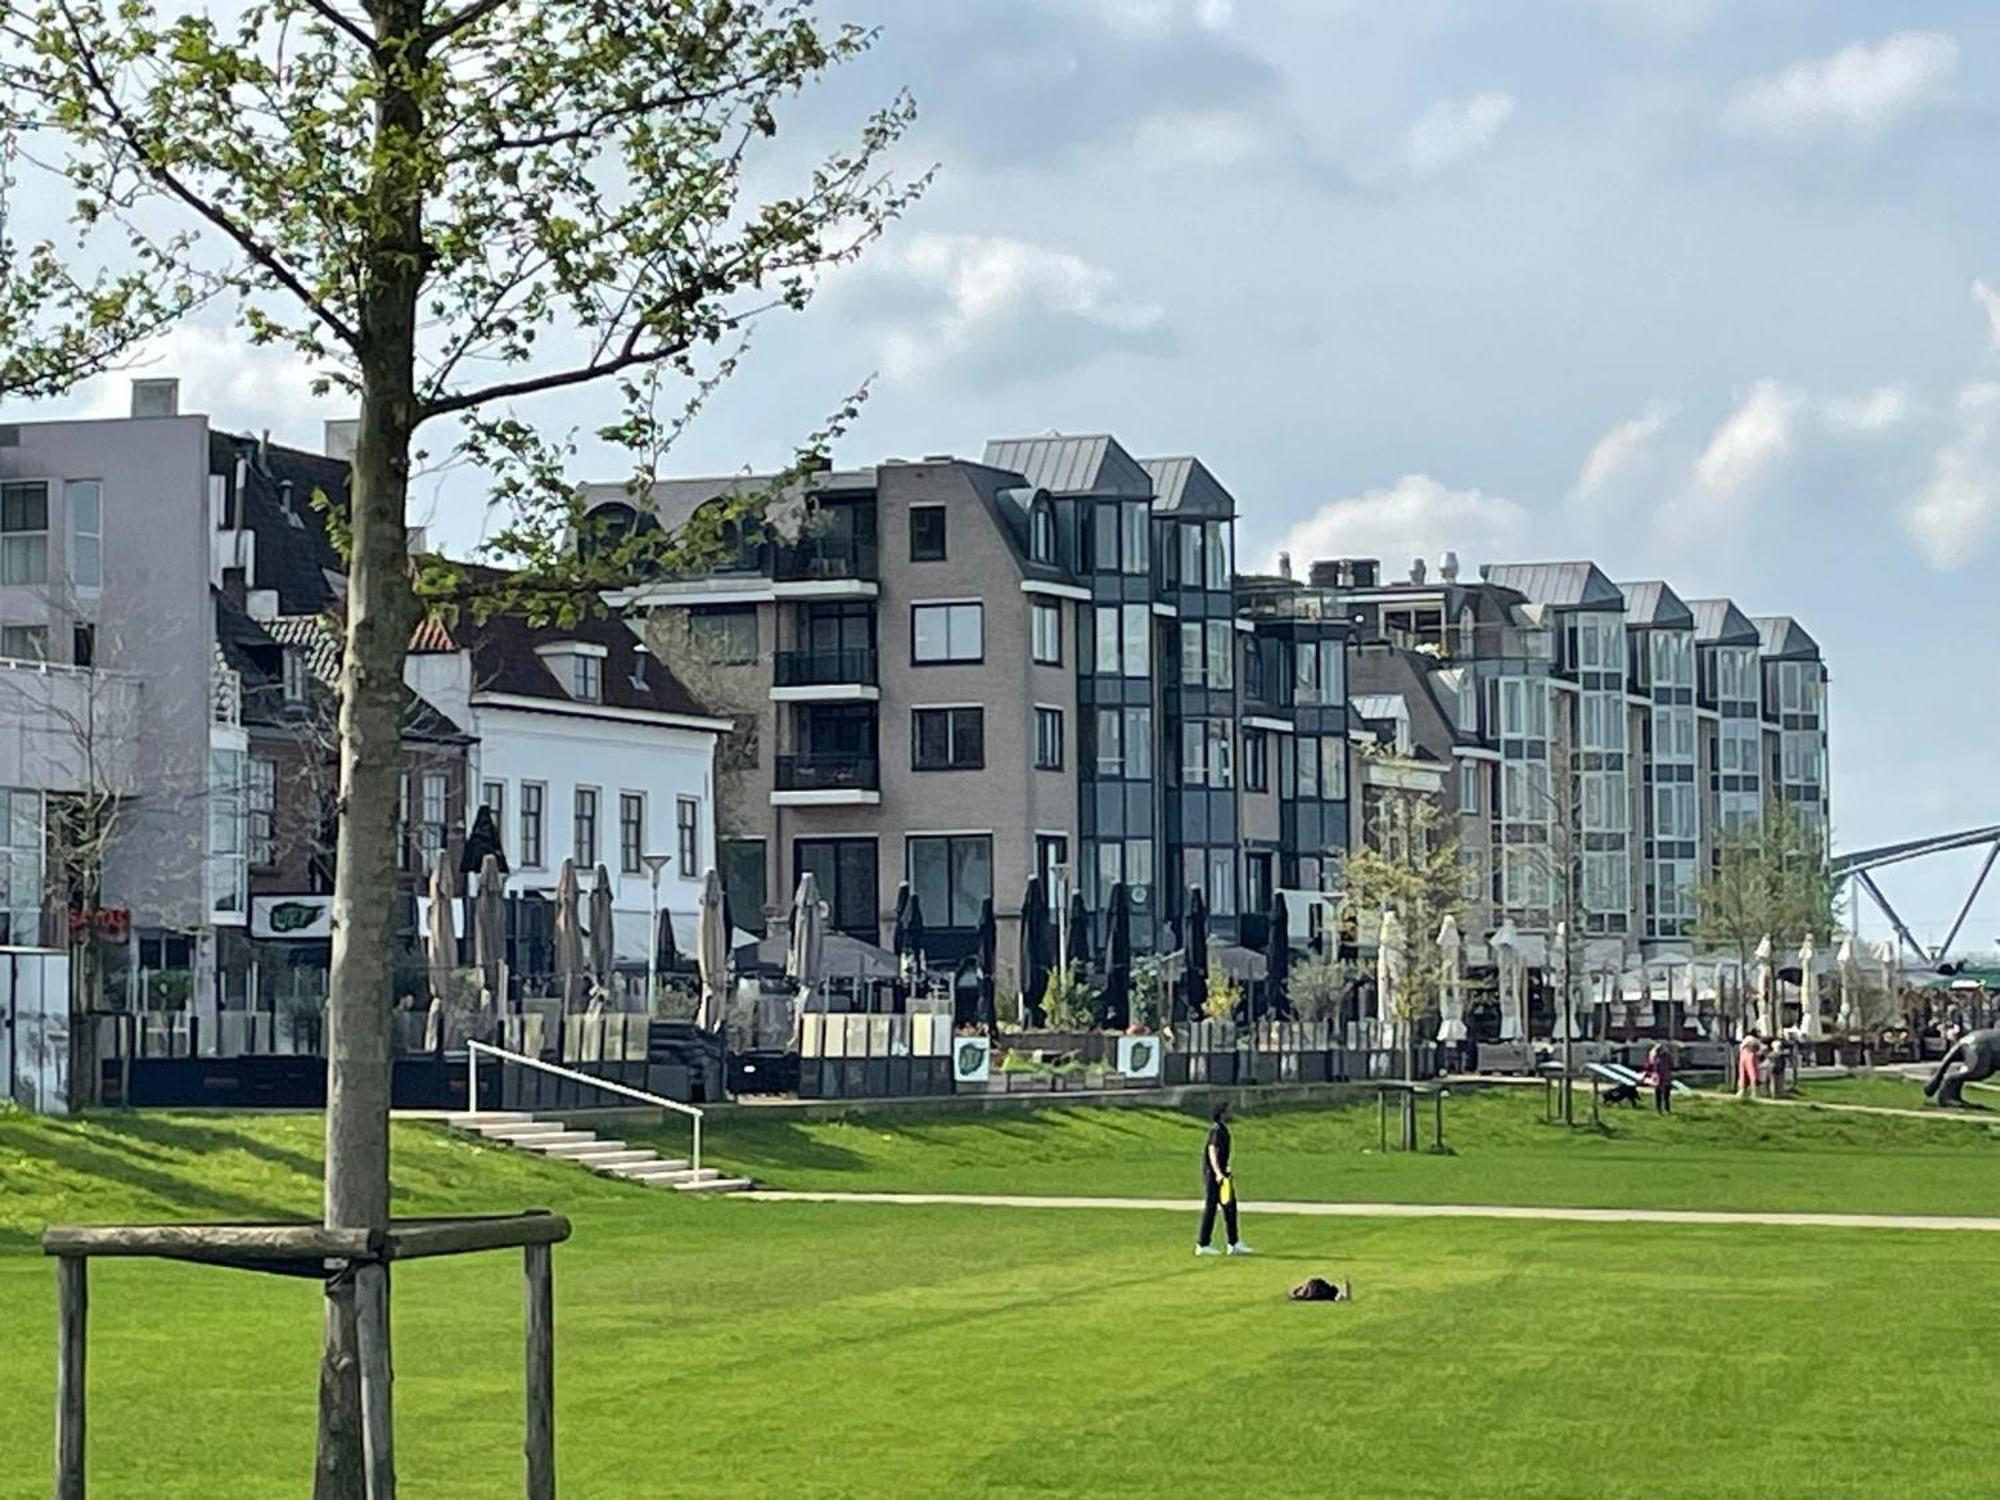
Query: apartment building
(960,674)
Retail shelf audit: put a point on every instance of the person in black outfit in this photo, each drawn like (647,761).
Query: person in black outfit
(1217,1190)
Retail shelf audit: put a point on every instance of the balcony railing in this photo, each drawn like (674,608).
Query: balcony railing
(823,668)
(823,557)
(829,773)
(226,697)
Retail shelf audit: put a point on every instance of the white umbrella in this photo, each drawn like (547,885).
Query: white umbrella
(443,941)
(711,951)
(1389,979)
(1767,1009)
(489,927)
(1507,963)
(1451,992)
(1809,1027)
(1849,1019)
(805,951)
(1890,958)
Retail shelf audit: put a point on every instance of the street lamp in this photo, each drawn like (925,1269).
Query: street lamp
(654,863)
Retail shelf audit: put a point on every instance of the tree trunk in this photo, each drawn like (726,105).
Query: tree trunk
(381,611)
(86,1070)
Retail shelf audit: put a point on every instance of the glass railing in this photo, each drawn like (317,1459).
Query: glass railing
(828,773)
(823,668)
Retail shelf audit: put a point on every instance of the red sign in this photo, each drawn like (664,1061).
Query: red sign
(111,924)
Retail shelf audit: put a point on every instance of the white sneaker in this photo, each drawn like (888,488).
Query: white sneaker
(1241,1249)
(1206,1250)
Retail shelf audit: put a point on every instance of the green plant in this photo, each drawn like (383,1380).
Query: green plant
(1149,989)
(1316,986)
(1225,998)
(1069,1002)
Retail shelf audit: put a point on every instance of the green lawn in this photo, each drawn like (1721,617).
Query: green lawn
(718,1348)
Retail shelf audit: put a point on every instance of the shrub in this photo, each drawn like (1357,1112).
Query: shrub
(1069,1003)
(1225,997)
(1315,986)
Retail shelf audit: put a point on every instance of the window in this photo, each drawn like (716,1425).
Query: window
(951,874)
(24,642)
(1190,554)
(844,871)
(1110,742)
(1221,883)
(1048,739)
(687,836)
(1604,807)
(926,533)
(1253,669)
(631,832)
(1305,672)
(1468,786)
(1215,556)
(1524,708)
(294,676)
(21,866)
(493,795)
(84,499)
(1051,855)
(83,644)
(586,677)
(24,533)
(1104,537)
(1603,721)
(584,828)
(1333,769)
(724,636)
(263,797)
(1138,640)
(1139,744)
(1308,773)
(1110,871)
(1256,883)
(948,739)
(1139,870)
(1606,882)
(431,830)
(1047,626)
(1042,534)
(1124,635)
(947,633)
(1676,814)
(1468,634)
(1221,654)
(1256,760)
(1221,753)
(228,882)
(1193,658)
(743,868)
(1138,527)
(1194,753)
(533,797)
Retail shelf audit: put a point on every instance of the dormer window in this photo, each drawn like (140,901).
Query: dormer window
(1042,533)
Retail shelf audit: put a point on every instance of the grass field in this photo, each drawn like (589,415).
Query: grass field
(717,1348)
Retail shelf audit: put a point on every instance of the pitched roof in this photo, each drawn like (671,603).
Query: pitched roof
(275,504)
(1782,636)
(1087,465)
(317,640)
(1186,484)
(1718,622)
(1653,603)
(1566,585)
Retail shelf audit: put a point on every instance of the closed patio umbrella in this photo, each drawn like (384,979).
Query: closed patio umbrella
(603,934)
(482,841)
(1194,973)
(985,956)
(1848,1021)
(489,929)
(442,941)
(1767,1005)
(1032,966)
(711,949)
(1389,966)
(805,947)
(1451,983)
(1278,958)
(899,929)
(912,961)
(666,946)
(569,937)
(1809,1027)
(1117,999)
(1512,980)
(1079,930)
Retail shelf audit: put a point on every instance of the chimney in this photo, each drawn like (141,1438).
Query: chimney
(156,398)
(1416,570)
(1345,573)
(1448,567)
(339,437)
(1285,566)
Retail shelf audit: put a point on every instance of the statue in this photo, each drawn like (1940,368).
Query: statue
(1974,1056)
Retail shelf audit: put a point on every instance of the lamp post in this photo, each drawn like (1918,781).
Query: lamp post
(654,863)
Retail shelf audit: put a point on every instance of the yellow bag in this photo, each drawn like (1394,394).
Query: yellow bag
(1226,1191)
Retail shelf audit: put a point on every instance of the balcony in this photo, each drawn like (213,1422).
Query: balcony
(824,676)
(827,781)
(825,567)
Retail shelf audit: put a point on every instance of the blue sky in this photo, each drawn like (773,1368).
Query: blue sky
(1707,289)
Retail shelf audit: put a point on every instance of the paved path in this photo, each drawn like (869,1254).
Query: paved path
(1407,1211)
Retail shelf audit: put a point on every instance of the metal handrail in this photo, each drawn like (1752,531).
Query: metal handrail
(473,1049)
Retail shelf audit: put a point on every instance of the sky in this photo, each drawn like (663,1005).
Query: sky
(1706,290)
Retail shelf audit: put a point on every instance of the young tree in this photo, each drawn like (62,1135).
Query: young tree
(1767,879)
(449,208)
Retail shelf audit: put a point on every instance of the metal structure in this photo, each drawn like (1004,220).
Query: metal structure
(1857,869)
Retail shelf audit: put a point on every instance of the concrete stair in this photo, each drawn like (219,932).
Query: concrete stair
(610,1158)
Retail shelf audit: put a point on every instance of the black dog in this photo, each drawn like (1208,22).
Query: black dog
(1622,1093)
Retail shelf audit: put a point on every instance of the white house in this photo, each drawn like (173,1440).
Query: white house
(588,748)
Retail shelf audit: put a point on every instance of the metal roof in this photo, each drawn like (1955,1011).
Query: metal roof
(1379,706)
(1088,465)
(1785,637)
(1718,622)
(1566,585)
(1185,484)
(1653,604)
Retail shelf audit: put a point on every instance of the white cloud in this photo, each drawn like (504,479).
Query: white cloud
(1454,131)
(1988,299)
(1861,89)
(1212,138)
(1952,517)
(1157,16)
(1752,442)
(1622,450)
(1417,516)
(995,308)
(1881,410)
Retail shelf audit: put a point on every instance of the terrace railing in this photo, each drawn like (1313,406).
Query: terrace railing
(673,1106)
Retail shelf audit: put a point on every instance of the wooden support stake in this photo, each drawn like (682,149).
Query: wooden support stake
(540,1325)
(72,1317)
(378,1441)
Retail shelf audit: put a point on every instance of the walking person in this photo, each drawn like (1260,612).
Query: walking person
(1748,1058)
(1660,1076)
(1218,1189)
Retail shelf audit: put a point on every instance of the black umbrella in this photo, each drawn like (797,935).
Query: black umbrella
(985,959)
(1117,997)
(1278,956)
(1194,976)
(483,839)
(666,952)
(1079,930)
(913,928)
(1034,960)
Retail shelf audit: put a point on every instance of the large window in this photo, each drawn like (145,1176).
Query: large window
(948,739)
(1208,655)
(1256,760)
(1110,742)
(228,872)
(1042,534)
(952,873)
(1208,753)
(1221,883)
(24,532)
(942,633)
(583,827)
(1672,662)
(1332,769)
(631,832)
(431,823)
(1673,735)
(1125,743)
(263,798)
(1104,537)
(1676,814)
(21,867)
(1738,748)
(844,871)
(1138,538)
(927,533)
(84,499)
(1048,739)
(724,635)
(1047,622)
(1124,640)
(687,836)
(534,800)
(493,794)
(24,642)
(1603,721)
(1604,805)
